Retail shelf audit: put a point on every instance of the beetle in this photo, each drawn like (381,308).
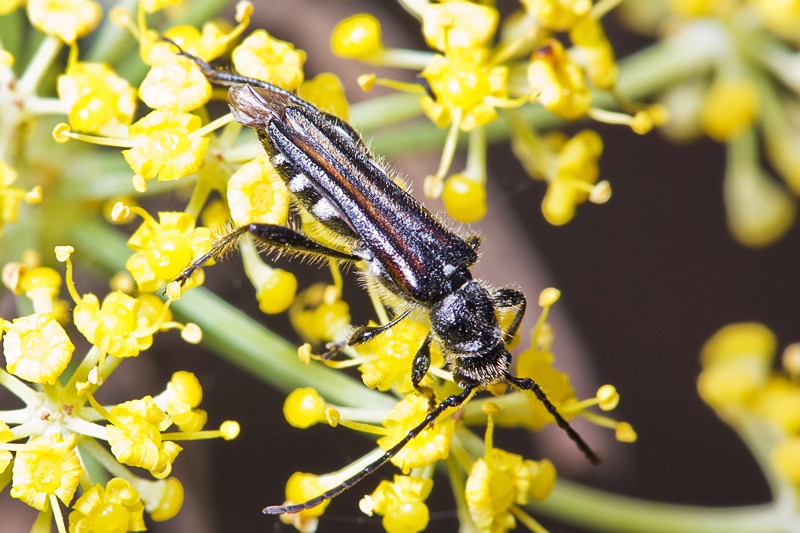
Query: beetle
(396,244)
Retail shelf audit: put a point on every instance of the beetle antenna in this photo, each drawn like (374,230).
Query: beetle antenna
(451,401)
(530,385)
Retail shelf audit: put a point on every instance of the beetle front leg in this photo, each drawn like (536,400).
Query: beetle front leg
(420,366)
(361,335)
(272,235)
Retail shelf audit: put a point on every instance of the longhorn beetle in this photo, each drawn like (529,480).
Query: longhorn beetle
(393,240)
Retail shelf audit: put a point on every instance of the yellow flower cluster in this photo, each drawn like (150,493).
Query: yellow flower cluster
(473,73)
(61,412)
(747,88)
(739,382)
(497,482)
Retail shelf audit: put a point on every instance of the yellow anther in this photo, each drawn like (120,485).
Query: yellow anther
(63,253)
(120,212)
(174,290)
(304,408)
(625,432)
(490,409)
(366,81)
(61,133)
(607,397)
(549,297)
(192,333)
(332,416)
(229,429)
(304,353)
(600,193)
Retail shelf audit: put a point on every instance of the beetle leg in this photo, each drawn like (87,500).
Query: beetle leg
(420,366)
(504,298)
(270,234)
(362,335)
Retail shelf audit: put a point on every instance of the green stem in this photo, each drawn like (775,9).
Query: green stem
(601,511)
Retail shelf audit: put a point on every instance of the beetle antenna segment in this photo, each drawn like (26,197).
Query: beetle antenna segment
(530,385)
(455,400)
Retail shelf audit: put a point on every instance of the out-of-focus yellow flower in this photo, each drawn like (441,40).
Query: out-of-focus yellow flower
(49,465)
(594,52)
(5,455)
(736,363)
(152,6)
(389,356)
(431,445)
(357,37)
(576,171)
(696,8)
(256,193)
(36,348)
(729,109)
(786,459)
(180,399)
(400,502)
(11,197)
(7,6)
(164,248)
(135,437)
(558,15)
(163,146)
(110,509)
(458,24)
(68,20)
(168,499)
(176,85)
(558,81)
(780,16)
(265,58)
(97,99)
(326,92)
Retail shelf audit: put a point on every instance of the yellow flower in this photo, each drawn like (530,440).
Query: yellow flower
(400,503)
(326,92)
(464,198)
(576,171)
(168,499)
(116,326)
(304,407)
(317,319)
(5,455)
(97,99)
(495,482)
(781,17)
(730,108)
(265,58)
(357,37)
(389,356)
(37,348)
(11,197)
(458,24)
(593,51)
(558,81)
(779,401)
(115,508)
(256,193)
(558,15)
(165,248)
(431,445)
(163,146)
(135,437)
(736,364)
(7,6)
(48,466)
(182,395)
(175,85)
(68,20)
(151,6)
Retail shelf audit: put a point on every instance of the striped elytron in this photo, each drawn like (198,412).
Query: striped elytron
(391,238)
